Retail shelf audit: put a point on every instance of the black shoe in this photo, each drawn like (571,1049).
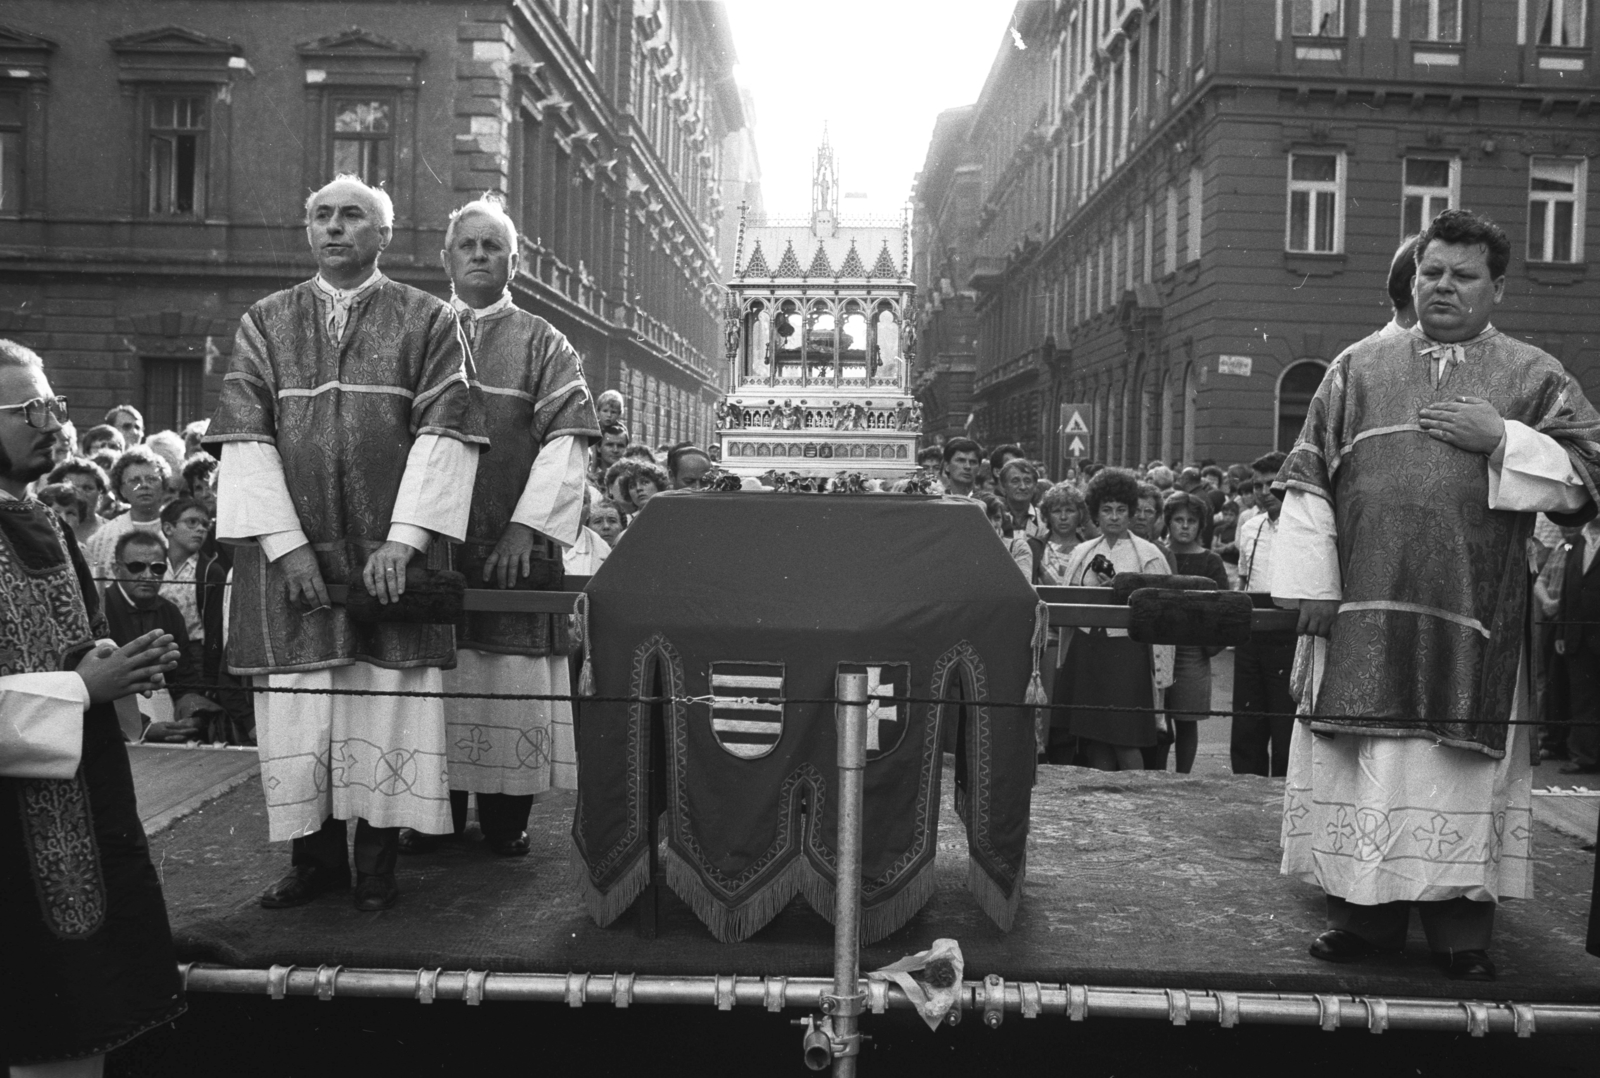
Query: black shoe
(510,847)
(375,892)
(1581,769)
(1339,945)
(302,884)
(1472,965)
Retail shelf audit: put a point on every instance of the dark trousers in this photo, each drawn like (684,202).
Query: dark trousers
(1583,706)
(377,848)
(502,817)
(1260,745)
(1456,924)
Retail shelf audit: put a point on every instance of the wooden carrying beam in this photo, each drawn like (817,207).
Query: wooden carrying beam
(493,600)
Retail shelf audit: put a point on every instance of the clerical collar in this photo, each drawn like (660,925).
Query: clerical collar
(346,294)
(482,312)
(1417,331)
(340,300)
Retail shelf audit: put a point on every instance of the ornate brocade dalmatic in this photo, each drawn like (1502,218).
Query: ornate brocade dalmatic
(343,416)
(43,620)
(533,392)
(1435,584)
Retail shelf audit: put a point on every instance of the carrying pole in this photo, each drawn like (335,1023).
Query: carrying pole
(848,999)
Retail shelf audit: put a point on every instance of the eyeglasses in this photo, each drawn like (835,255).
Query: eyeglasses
(40,411)
(139,482)
(139,568)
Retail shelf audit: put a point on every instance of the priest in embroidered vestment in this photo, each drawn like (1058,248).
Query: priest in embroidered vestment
(1411,494)
(525,509)
(350,436)
(88,955)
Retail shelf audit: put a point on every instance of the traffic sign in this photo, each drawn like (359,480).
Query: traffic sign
(1077,428)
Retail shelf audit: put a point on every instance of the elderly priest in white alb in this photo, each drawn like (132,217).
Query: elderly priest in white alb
(525,509)
(350,436)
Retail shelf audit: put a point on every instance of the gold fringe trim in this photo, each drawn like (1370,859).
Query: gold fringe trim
(731,925)
(1002,910)
(607,906)
(881,918)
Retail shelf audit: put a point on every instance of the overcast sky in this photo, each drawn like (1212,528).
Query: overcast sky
(878,71)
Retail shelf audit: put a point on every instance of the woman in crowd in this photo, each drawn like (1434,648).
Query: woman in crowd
(608,520)
(1103,668)
(104,436)
(648,481)
(69,506)
(1016,545)
(1189,696)
(89,479)
(1064,511)
(1148,523)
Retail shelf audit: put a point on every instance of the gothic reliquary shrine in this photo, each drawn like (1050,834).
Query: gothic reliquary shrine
(820,342)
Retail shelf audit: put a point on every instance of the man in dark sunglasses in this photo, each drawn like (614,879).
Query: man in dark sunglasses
(134,606)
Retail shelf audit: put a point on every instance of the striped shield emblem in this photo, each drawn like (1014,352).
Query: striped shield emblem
(746,707)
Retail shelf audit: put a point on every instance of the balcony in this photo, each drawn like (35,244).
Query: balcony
(988,273)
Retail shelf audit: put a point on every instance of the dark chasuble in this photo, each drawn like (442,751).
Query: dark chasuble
(87,950)
(741,608)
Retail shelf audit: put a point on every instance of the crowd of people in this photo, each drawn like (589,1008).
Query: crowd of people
(142,509)
(1446,478)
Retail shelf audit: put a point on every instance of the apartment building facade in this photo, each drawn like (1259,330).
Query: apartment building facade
(1188,207)
(154,161)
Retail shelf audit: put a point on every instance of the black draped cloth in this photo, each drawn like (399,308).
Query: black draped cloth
(84,942)
(743,609)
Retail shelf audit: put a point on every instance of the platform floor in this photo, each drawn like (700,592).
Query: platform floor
(1141,879)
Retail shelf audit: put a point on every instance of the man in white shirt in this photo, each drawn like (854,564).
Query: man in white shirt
(1258,742)
(350,430)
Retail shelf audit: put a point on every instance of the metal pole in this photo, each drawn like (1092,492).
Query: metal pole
(852,729)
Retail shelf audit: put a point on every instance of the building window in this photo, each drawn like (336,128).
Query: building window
(1561,22)
(173,392)
(1318,18)
(363,138)
(1555,210)
(1316,182)
(1430,185)
(1436,20)
(1196,194)
(176,155)
(1296,388)
(1170,241)
(11,149)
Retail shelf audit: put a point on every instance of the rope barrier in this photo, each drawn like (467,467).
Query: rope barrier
(825,700)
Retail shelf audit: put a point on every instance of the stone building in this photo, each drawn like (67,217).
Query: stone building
(154,159)
(1188,207)
(944,227)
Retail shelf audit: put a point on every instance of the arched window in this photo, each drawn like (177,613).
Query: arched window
(1296,386)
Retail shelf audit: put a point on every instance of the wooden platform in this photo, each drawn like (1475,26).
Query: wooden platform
(1138,879)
